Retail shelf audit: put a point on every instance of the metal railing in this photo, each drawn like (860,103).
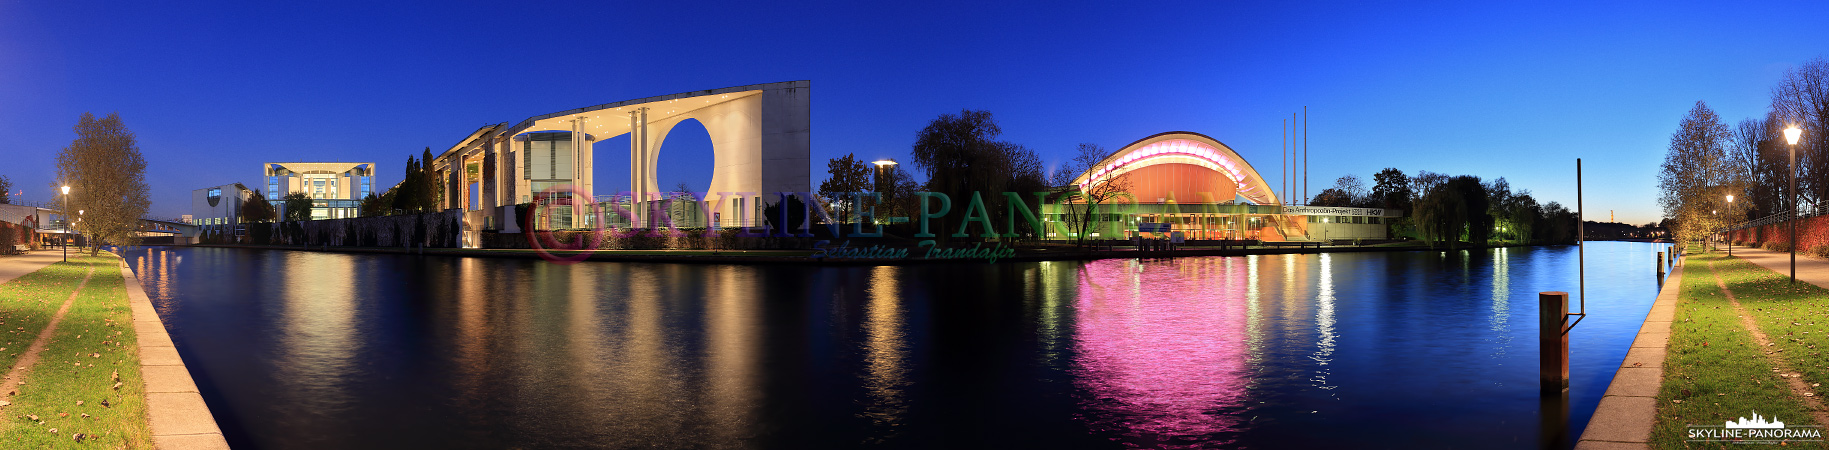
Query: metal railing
(1768,220)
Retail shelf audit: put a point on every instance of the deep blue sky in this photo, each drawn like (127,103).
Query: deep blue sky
(1520,91)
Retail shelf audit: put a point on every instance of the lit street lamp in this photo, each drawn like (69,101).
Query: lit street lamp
(66,212)
(1791,135)
(1730,232)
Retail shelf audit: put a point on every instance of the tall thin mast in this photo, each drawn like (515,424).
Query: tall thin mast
(1304,155)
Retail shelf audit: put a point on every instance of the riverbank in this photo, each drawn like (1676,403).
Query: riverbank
(910,254)
(1744,341)
(73,361)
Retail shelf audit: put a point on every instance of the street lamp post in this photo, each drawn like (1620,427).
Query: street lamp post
(1730,232)
(66,213)
(1791,135)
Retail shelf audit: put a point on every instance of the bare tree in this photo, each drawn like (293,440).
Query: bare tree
(1080,205)
(1801,99)
(107,179)
(1425,181)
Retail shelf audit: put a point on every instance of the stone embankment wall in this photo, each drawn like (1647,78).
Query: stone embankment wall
(432,230)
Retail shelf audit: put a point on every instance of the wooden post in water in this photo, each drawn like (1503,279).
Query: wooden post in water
(1553,341)
(1661,259)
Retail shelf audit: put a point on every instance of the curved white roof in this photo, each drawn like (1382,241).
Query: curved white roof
(1183,147)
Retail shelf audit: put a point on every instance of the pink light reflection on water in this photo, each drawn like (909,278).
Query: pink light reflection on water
(1163,352)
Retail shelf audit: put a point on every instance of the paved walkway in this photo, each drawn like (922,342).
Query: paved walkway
(15,266)
(180,420)
(1810,269)
(1624,418)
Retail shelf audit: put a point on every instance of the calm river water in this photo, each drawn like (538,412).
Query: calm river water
(1431,349)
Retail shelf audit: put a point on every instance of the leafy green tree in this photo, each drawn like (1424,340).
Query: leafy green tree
(1696,176)
(107,179)
(1556,225)
(431,186)
(1391,189)
(257,210)
(1454,210)
(1520,216)
(6,190)
(1479,223)
(373,206)
(796,215)
(298,206)
(961,155)
(406,194)
(845,174)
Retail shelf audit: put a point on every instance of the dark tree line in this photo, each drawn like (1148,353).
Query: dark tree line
(961,155)
(1449,210)
(420,191)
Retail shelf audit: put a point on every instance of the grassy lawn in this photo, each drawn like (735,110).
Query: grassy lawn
(73,389)
(1713,371)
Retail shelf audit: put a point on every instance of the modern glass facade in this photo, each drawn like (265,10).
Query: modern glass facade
(337,189)
(546,163)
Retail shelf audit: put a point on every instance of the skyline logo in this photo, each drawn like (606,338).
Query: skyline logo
(1757,422)
(1758,430)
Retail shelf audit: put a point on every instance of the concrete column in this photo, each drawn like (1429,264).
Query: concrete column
(1553,308)
(576,180)
(638,166)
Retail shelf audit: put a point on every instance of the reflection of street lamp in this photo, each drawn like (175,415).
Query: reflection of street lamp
(1730,232)
(1791,135)
(66,212)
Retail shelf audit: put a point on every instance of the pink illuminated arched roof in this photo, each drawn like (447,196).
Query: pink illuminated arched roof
(1182,147)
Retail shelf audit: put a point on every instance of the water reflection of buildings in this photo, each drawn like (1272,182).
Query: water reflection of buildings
(1163,360)
(885,349)
(317,338)
(1324,324)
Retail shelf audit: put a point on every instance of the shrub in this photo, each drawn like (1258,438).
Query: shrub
(8,237)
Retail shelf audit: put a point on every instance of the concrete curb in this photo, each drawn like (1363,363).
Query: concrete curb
(179,418)
(1629,408)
